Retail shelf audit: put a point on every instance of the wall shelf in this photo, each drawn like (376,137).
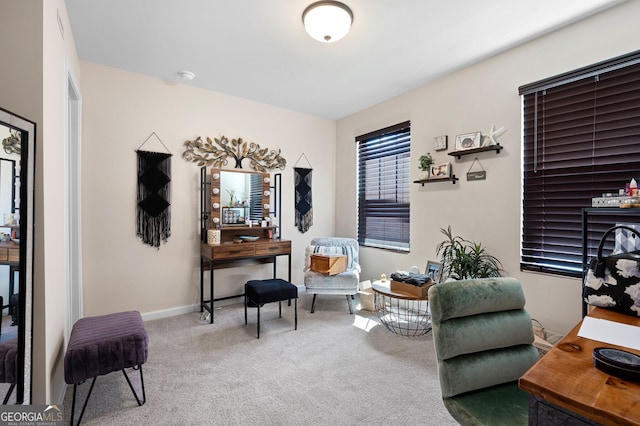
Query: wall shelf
(453,179)
(459,154)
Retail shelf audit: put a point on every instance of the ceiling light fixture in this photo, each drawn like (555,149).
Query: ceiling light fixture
(327,21)
(186,75)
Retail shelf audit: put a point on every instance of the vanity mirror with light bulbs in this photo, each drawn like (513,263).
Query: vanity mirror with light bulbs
(241,209)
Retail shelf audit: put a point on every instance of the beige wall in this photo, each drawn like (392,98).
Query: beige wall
(59,60)
(471,100)
(32,85)
(122,109)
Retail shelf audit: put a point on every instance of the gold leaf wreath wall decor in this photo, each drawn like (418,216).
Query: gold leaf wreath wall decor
(217,151)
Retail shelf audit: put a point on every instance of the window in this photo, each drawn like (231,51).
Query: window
(581,139)
(383,187)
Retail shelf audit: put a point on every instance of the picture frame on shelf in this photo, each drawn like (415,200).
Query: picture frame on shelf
(434,271)
(440,171)
(468,141)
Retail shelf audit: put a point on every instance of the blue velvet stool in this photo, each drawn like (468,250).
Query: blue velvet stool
(259,292)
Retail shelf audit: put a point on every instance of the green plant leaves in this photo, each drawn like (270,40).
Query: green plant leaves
(464,259)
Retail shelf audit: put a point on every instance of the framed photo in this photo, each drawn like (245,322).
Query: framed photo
(468,141)
(234,215)
(433,270)
(440,171)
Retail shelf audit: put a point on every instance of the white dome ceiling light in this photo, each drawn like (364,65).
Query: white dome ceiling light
(327,21)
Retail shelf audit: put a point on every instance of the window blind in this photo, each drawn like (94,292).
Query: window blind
(581,138)
(255,197)
(384,186)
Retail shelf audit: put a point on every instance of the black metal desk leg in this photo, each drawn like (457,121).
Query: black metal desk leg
(201,284)
(211,289)
(275,261)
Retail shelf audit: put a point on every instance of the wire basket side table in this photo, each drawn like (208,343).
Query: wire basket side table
(402,313)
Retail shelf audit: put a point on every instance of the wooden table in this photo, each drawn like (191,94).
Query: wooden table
(566,378)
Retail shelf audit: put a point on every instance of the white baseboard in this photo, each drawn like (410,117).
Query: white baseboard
(187,309)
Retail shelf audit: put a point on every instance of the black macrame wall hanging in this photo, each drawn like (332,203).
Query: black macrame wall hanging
(153,210)
(304,202)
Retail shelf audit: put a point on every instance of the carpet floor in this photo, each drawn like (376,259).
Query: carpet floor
(336,369)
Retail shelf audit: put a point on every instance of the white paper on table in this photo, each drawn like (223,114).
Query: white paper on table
(611,332)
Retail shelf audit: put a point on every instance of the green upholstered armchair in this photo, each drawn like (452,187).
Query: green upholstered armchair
(483,339)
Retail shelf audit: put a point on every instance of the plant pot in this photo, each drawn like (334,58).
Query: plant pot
(424,175)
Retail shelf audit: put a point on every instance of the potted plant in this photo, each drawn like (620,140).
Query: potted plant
(464,259)
(425,164)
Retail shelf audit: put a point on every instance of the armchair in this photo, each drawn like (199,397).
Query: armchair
(483,339)
(345,283)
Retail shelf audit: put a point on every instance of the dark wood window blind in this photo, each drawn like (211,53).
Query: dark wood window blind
(255,197)
(581,139)
(384,158)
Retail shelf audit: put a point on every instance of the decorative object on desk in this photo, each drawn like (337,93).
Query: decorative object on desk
(613,282)
(153,223)
(440,171)
(234,215)
(433,270)
(425,166)
(232,194)
(464,259)
(490,138)
(468,141)
(207,154)
(616,362)
(476,175)
(213,236)
(440,143)
(250,238)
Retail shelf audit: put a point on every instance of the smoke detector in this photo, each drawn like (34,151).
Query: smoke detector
(186,75)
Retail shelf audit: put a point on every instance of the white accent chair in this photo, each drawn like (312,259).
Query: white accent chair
(345,283)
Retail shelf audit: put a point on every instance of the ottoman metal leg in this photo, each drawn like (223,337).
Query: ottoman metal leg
(93,382)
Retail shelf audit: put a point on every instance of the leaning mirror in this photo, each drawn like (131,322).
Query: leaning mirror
(16,255)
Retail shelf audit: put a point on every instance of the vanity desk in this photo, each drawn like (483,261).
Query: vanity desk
(230,255)
(239,245)
(10,255)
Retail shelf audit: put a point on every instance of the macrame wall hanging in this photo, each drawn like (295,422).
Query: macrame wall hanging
(153,210)
(303,203)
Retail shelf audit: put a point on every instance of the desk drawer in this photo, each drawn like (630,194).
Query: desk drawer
(14,255)
(4,254)
(233,250)
(277,247)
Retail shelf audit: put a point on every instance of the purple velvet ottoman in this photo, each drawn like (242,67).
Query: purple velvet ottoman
(103,344)
(8,366)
